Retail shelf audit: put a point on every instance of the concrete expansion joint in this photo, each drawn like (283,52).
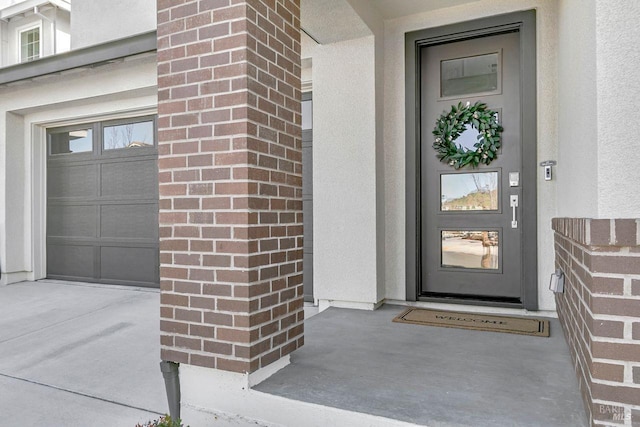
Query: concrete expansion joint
(78,393)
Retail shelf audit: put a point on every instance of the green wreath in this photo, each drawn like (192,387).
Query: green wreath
(451,125)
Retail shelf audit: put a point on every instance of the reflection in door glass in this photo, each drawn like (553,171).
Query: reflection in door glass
(469,191)
(465,76)
(470,249)
(75,141)
(128,135)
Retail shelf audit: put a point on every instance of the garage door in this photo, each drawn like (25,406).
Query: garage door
(102,203)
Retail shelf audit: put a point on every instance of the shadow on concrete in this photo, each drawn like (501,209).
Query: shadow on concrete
(79,355)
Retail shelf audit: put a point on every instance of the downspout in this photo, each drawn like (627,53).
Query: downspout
(172,387)
(54,22)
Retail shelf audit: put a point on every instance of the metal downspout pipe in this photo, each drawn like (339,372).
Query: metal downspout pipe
(172,386)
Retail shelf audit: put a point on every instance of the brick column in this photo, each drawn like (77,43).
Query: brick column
(230,176)
(600,313)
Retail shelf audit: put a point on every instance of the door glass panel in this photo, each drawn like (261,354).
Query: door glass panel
(464,76)
(129,135)
(469,191)
(75,141)
(470,249)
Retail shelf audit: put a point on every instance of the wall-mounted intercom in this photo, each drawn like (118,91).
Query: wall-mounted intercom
(548,169)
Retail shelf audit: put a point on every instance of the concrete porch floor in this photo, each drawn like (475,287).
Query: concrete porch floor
(76,354)
(362,361)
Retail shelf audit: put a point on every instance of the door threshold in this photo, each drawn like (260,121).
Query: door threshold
(466,306)
(471,300)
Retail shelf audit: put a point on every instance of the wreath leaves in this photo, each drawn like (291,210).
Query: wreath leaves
(451,125)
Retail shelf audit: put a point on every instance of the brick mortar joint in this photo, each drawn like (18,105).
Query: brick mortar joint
(611,340)
(579,230)
(596,249)
(614,383)
(223,341)
(258,13)
(580,282)
(611,318)
(213,108)
(232,343)
(617,297)
(213,153)
(588,249)
(602,401)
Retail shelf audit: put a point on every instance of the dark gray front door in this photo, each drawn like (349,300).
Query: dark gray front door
(102,203)
(471,248)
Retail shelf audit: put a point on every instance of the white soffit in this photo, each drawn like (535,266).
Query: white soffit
(391,9)
(331,21)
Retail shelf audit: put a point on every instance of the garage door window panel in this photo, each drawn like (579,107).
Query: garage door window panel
(128,135)
(71,141)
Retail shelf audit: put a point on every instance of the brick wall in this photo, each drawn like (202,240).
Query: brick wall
(600,313)
(230,176)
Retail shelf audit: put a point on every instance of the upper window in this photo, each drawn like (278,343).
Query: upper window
(30,44)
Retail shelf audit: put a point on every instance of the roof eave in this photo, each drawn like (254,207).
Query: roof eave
(28,5)
(85,57)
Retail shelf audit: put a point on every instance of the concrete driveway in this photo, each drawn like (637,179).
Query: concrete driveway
(74,354)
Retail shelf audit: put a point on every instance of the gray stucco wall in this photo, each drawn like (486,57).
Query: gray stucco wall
(94,22)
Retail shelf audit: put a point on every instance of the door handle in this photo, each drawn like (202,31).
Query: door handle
(513,202)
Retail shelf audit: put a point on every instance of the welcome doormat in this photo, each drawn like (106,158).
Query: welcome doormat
(480,322)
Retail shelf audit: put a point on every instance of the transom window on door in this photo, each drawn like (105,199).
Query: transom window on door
(30,44)
(470,75)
